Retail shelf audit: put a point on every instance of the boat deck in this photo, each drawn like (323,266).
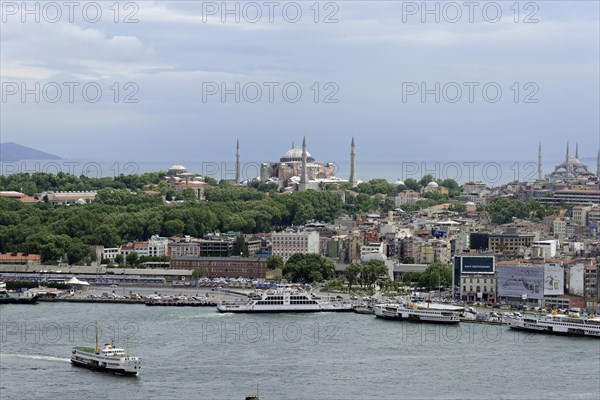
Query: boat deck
(86,349)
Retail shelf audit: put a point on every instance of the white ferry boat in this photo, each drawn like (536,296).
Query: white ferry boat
(108,359)
(419,313)
(557,324)
(285,298)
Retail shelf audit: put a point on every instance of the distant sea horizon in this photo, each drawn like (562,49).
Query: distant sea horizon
(492,173)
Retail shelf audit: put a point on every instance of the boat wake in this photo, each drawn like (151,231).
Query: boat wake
(35,357)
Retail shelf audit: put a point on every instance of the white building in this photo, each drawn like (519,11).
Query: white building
(285,244)
(110,253)
(370,249)
(545,248)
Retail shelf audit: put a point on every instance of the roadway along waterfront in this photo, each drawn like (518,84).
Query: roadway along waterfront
(197,353)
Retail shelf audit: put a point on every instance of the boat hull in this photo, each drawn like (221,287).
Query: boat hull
(13,300)
(402,314)
(273,311)
(546,330)
(103,369)
(416,318)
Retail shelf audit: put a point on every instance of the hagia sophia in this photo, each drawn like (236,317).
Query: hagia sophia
(298,168)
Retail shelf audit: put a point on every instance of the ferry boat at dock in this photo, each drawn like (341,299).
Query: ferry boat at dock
(108,359)
(419,313)
(285,298)
(7,298)
(557,324)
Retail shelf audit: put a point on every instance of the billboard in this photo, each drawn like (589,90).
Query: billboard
(554,280)
(517,280)
(477,264)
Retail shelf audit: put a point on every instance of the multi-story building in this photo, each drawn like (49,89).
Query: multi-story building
(591,282)
(285,244)
(110,253)
(510,242)
(372,248)
(182,249)
(478,287)
(406,197)
(411,248)
(573,197)
(224,267)
(580,214)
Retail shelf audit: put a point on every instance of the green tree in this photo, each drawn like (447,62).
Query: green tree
(77,253)
(408,260)
(239,247)
(352,274)
(132,259)
(412,184)
(198,273)
(274,262)
(119,259)
(173,227)
(436,275)
(308,268)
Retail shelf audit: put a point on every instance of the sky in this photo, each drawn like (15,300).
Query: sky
(161,79)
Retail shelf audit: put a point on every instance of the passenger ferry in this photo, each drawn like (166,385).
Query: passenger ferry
(108,359)
(285,298)
(557,324)
(419,313)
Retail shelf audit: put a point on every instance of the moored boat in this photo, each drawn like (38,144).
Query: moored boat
(285,298)
(418,313)
(7,298)
(557,324)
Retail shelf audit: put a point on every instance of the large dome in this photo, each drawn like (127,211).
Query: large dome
(295,154)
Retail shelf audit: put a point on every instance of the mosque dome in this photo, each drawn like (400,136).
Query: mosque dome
(432,185)
(399,182)
(295,154)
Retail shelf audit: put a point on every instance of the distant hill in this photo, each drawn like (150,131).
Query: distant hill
(15,152)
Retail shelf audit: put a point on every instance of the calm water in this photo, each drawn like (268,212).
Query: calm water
(196,353)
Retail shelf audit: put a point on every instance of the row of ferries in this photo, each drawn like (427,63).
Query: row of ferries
(284,298)
(558,324)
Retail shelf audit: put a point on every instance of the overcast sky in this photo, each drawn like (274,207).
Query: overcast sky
(371,61)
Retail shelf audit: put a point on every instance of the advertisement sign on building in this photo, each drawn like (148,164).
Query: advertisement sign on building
(554,280)
(517,281)
(477,264)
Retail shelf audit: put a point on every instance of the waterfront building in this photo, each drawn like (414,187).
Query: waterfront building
(286,243)
(224,267)
(20,258)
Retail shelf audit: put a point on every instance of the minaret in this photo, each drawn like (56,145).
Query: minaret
(598,166)
(540,161)
(567,158)
(577,151)
(304,175)
(237,163)
(352,165)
